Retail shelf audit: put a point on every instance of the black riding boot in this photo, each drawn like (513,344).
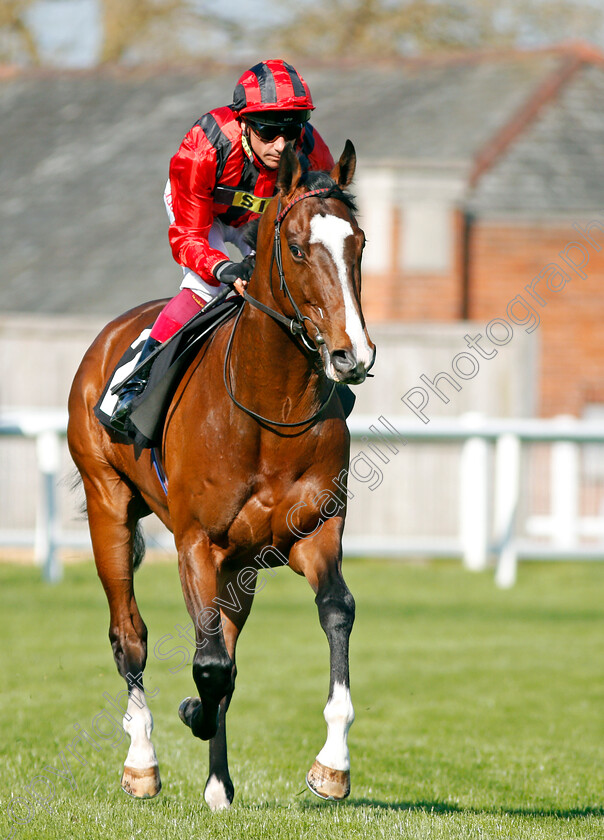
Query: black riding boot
(120,419)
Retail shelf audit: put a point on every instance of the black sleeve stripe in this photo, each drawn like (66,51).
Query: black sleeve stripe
(308,141)
(308,144)
(218,139)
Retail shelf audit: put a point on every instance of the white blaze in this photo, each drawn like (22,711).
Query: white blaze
(331,232)
(339,715)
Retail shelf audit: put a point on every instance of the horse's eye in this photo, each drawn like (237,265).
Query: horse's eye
(297,253)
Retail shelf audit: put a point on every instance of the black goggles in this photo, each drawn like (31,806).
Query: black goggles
(268,132)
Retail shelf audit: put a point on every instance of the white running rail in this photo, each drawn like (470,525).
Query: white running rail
(488,504)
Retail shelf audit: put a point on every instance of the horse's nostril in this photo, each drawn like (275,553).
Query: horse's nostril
(343,360)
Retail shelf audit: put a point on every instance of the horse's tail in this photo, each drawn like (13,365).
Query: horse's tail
(74,483)
(138,547)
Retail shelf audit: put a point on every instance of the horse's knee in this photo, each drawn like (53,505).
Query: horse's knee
(213,674)
(129,650)
(336,608)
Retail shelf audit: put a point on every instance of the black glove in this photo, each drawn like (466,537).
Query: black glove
(229,271)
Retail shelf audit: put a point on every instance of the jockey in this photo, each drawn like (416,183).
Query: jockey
(221,178)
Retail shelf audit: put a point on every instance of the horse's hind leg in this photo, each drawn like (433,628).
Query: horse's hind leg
(113,513)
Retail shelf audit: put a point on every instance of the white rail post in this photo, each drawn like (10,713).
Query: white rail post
(48,452)
(507,492)
(564,488)
(474,497)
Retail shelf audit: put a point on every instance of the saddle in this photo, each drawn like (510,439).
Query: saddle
(149,408)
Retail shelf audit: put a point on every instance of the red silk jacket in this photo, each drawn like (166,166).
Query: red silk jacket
(212,176)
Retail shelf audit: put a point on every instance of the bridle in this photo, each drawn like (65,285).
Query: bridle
(295,325)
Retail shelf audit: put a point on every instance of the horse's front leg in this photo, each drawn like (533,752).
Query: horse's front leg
(319,558)
(213,668)
(218,604)
(236,597)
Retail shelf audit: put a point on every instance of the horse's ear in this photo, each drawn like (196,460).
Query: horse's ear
(343,171)
(290,171)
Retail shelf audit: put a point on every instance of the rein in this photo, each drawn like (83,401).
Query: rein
(295,325)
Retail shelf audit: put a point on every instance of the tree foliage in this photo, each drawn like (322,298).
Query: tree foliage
(148,31)
(385,28)
(156,30)
(16,38)
(133,31)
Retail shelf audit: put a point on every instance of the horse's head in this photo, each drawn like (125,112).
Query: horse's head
(321,248)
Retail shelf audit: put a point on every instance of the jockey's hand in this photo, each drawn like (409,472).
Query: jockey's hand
(235,274)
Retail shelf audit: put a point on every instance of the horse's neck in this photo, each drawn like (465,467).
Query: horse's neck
(271,372)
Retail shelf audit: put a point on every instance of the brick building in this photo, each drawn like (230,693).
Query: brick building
(495,211)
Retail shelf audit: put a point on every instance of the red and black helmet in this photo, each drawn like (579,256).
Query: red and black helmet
(272,86)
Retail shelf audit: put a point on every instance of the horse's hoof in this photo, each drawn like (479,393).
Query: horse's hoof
(186,709)
(192,715)
(141,784)
(327,783)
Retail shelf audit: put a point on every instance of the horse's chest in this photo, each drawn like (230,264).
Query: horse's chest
(268,495)
(283,508)
(261,514)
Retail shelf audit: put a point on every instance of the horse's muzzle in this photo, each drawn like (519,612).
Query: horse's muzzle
(348,369)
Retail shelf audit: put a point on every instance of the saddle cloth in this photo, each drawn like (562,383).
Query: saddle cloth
(149,408)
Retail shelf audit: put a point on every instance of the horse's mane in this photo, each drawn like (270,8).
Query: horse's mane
(321,180)
(314,180)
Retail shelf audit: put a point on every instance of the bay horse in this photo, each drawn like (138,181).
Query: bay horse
(256,470)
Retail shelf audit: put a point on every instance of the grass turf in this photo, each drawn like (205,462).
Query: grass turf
(478,711)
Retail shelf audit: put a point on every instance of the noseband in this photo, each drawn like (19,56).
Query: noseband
(295,325)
